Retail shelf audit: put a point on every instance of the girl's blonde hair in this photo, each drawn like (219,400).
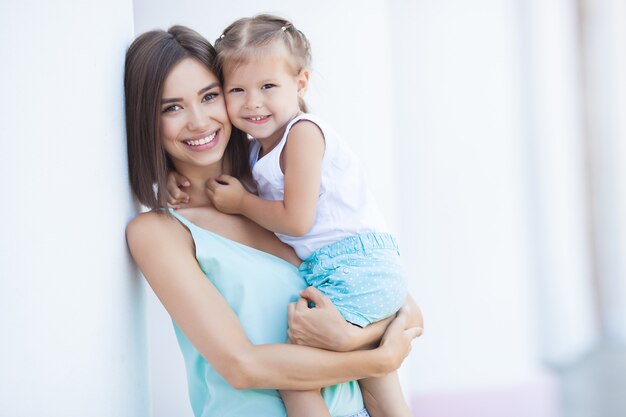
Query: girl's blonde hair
(251,37)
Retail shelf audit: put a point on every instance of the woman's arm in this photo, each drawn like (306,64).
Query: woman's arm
(164,251)
(324,327)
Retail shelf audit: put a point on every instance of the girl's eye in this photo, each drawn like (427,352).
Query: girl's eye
(236,90)
(209,97)
(267,86)
(172,108)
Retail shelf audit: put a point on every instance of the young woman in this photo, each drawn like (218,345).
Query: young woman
(226,281)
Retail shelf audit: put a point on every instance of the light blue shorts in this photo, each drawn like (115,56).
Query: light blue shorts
(361,275)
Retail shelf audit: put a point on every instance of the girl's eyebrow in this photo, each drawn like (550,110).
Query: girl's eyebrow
(202,90)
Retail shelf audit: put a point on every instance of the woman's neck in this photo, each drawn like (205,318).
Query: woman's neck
(198,177)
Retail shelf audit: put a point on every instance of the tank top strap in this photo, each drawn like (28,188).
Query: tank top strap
(181,218)
(304,116)
(196,232)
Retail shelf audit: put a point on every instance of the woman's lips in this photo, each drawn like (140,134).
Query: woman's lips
(202,143)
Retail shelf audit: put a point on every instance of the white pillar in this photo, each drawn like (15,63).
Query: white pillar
(72,314)
(459,94)
(558,180)
(604,63)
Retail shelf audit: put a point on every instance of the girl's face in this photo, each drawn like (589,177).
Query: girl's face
(194,125)
(262,96)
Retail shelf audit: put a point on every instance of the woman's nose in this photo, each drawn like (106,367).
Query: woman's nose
(198,120)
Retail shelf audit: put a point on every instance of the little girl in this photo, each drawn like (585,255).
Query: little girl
(311,190)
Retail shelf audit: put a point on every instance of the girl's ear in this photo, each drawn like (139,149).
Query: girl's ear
(303,82)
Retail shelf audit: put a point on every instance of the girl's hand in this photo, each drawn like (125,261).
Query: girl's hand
(322,326)
(175,196)
(226,193)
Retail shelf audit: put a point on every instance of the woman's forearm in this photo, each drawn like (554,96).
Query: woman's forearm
(301,367)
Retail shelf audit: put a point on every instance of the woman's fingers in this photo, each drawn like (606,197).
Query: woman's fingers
(302,303)
(291,311)
(413,332)
(314,295)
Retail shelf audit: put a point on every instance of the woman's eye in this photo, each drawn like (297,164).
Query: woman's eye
(267,86)
(172,108)
(209,97)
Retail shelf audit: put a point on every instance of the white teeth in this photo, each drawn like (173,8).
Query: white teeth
(257,118)
(202,141)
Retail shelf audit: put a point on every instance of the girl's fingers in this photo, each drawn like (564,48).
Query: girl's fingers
(181,181)
(212,184)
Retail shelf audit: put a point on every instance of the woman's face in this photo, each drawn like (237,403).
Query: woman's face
(194,124)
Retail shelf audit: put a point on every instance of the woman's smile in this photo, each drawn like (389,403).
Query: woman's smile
(203,142)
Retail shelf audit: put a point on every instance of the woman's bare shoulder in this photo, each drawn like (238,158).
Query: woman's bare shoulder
(153,226)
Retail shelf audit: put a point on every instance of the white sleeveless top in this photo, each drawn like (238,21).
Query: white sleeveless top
(345,206)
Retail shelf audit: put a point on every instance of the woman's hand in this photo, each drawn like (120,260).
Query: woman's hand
(396,342)
(175,196)
(322,326)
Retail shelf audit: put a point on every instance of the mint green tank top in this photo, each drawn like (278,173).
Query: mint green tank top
(258,287)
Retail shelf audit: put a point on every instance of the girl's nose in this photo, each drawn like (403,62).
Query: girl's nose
(253,103)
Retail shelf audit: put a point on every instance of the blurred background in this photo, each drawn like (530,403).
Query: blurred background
(494,137)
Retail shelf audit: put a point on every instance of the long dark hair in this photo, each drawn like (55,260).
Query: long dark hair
(149,60)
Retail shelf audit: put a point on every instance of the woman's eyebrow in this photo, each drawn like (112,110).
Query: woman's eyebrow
(208,87)
(170,100)
(202,90)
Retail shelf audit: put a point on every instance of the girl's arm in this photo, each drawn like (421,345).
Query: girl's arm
(163,250)
(301,163)
(324,327)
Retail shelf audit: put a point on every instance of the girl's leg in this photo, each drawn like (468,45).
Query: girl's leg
(383,396)
(304,403)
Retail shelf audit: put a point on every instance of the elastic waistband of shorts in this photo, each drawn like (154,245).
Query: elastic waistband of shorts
(357,243)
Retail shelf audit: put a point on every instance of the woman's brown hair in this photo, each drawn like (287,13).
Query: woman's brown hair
(149,60)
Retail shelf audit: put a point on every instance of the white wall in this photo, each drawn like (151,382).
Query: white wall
(469,117)
(72,319)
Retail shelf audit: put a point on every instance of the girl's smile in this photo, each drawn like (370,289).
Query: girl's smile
(262,96)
